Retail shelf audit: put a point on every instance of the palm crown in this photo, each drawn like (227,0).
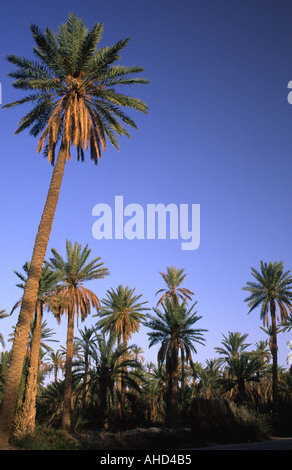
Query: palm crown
(72,87)
(122,312)
(72,273)
(273,286)
(174,325)
(173,279)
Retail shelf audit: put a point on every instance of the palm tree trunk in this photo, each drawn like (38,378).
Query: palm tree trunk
(85,394)
(29,299)
(274,352)
(66,421)
(26,420)
(172,386)
(119,384)
(56,373)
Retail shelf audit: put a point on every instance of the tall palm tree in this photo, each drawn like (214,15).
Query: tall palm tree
(72,88)
(77,300)
(272,289)
(57,362)
(173,278)
(173,328)
(122,313)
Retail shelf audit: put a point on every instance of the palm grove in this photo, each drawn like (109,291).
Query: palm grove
(73,89)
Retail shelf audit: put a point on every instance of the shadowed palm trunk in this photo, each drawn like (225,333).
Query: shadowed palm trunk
(66,421)
(274,353)
(172,386)
(26,420)
(29,299)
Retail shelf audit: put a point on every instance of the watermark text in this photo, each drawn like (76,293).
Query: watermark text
(159,221)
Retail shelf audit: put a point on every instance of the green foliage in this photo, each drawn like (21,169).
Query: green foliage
(121,312)
(174,322)
(273,285)
(72,88)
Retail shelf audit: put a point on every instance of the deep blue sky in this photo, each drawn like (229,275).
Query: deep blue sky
(218,134)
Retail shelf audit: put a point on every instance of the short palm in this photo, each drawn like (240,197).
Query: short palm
(109,367)
(232,346)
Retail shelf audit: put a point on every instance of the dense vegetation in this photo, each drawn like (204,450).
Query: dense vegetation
(112,388)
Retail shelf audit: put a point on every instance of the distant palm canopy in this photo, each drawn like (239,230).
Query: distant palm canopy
(73,91)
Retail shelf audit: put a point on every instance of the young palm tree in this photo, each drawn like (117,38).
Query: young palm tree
(207,385)
(232,346)
(87,336)
(122,313)
(108,367)
(173,328)
(72,88)
(173,278)
(273,287)
(240,372)
(72,273)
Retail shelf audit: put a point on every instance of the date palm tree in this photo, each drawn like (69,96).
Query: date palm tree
(108,367)
(173,328)
(232,346)
(122,314)
(84,344)
(76,300)
(272,289)
(57,362)
(241,372)
(173,279)
(72,87)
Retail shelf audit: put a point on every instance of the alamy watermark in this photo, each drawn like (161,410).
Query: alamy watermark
(289,97)
(157,222)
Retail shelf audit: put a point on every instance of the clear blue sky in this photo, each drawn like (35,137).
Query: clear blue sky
(218,134)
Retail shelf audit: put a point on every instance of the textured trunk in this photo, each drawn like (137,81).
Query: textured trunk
(274,352)
(29,299)
(172,385)
(56,374)
(119,384)
(66,422)
(102,404)
(85,394)
(26,420)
